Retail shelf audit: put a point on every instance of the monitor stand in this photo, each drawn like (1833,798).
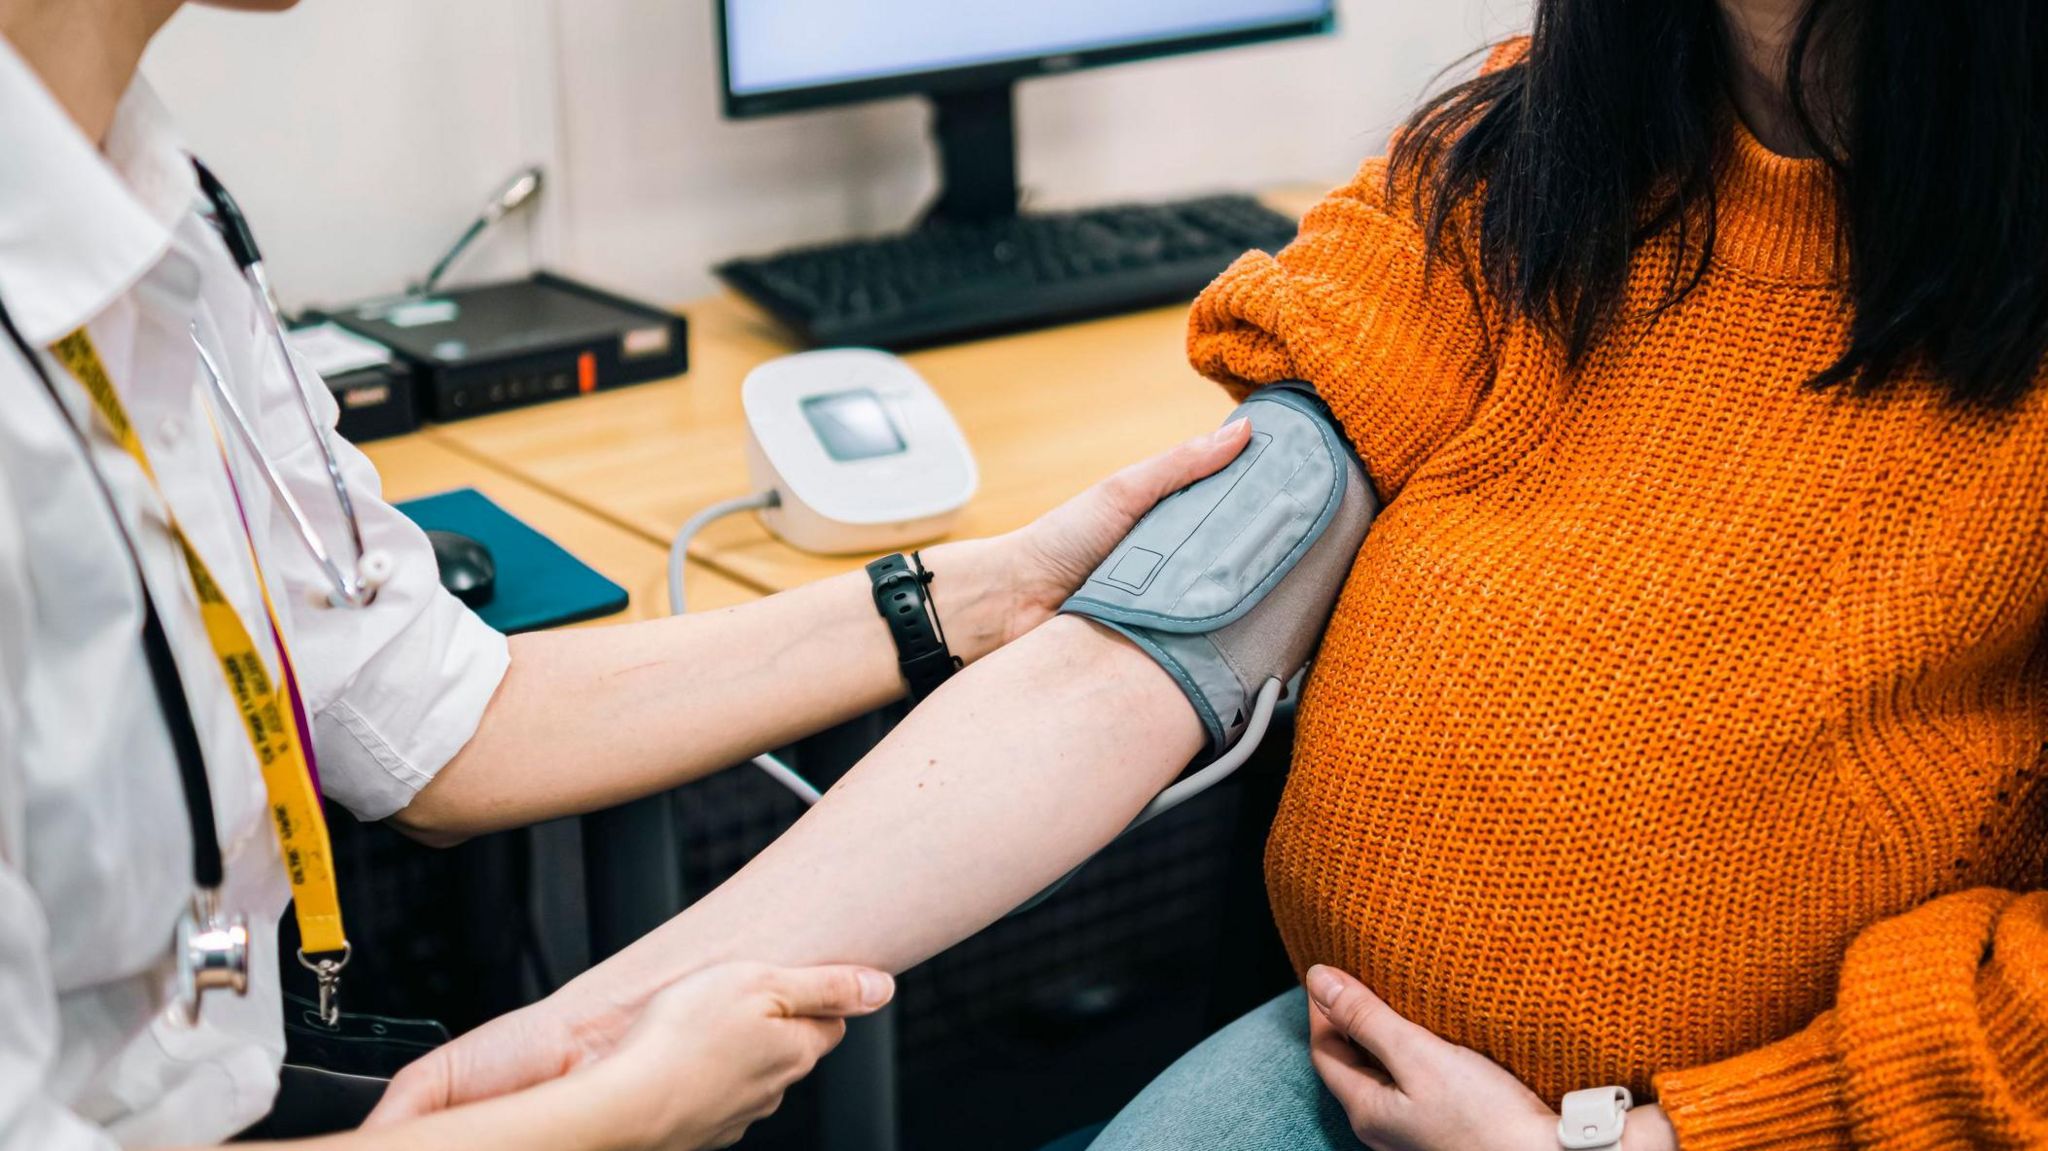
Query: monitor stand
(975,130)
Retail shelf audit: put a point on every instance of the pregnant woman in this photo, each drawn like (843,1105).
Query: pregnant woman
(1681,724)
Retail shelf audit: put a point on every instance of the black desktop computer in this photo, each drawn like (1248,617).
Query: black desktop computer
(974,265)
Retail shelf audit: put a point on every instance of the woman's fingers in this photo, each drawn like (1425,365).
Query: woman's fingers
(1425,1093)
(1366,1019)
(1371,1101)
(1334,1052)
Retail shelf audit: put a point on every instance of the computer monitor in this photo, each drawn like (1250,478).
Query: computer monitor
(784,55)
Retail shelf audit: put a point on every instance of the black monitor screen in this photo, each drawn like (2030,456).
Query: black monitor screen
(781,46)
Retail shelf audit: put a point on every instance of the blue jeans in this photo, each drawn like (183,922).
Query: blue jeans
(1249,1087)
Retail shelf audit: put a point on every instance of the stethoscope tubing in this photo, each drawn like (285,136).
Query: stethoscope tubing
(346,589)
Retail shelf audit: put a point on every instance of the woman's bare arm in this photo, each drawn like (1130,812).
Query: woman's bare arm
(1018,769)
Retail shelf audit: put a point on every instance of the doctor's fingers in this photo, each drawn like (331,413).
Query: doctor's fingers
(832,991)
(507,1054)
(835,991)
(1138,486)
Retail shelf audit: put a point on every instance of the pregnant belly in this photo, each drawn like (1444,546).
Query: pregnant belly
(1581,920)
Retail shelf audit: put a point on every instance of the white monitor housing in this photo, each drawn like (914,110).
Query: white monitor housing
(859,451)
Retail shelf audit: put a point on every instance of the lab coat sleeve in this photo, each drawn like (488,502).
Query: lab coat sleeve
(395,690)
(31,1119)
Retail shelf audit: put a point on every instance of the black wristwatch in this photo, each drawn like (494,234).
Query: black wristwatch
(921,652)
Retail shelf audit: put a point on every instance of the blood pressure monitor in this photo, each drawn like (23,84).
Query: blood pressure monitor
(859,451)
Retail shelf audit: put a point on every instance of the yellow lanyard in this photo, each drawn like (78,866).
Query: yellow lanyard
(267,709)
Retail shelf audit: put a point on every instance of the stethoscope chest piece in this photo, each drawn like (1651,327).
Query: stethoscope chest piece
(212,951)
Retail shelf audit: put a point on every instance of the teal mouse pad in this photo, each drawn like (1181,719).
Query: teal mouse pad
(539,585)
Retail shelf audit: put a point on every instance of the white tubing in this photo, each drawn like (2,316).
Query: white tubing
(680,549)
(678,552)
(785,775)
(1194,785)
(1225,765)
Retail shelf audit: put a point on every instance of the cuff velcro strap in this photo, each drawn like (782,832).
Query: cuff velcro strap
(1229,582)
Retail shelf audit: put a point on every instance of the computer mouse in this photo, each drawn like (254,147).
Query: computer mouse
(467,569)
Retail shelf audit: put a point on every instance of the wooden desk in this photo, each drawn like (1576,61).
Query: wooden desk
(415,465)
(1047,413)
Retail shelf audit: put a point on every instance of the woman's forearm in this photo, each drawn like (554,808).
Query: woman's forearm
(588,718)
(1013,773)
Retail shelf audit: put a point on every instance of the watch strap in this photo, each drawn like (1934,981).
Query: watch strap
(901,595)
(1592,1119)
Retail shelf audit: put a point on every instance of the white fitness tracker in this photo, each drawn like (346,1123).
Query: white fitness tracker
(1591,1120)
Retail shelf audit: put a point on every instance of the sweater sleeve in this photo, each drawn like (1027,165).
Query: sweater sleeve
(1396,349)
(1938,1039)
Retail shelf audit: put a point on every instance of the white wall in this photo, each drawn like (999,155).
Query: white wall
(361,134)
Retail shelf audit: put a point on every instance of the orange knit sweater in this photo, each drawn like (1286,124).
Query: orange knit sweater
(1679,726)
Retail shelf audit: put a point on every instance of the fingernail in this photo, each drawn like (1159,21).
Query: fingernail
(875,988)
(1228,431)
(1323,985)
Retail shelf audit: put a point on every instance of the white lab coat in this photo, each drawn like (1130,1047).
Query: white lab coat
(95,863)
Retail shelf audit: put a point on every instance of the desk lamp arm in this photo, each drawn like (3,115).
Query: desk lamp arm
(514,194)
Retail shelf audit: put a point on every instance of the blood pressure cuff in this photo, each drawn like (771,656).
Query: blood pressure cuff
(1230,581)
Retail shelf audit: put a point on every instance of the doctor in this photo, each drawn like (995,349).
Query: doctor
(186,663)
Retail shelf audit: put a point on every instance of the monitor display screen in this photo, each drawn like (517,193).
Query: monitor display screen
(853,425)
(787,45)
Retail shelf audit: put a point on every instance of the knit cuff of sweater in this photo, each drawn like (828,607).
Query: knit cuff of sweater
(1790,1095)
(2012,998)
(1933,1042)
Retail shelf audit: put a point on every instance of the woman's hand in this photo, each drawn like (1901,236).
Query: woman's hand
(989,592)
(1405,1089)
(710,1054)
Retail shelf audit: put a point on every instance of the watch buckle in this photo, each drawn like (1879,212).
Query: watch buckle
(1591,1120)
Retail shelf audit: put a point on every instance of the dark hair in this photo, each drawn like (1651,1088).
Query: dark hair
(1610,130)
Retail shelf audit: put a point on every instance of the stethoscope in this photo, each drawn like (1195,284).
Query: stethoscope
(355,586)
(211,949)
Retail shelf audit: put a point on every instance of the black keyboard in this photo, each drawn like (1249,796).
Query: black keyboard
(950,281)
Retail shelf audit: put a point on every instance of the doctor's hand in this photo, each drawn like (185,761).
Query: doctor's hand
(1405,1089)
(708,1056)
(989,592)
